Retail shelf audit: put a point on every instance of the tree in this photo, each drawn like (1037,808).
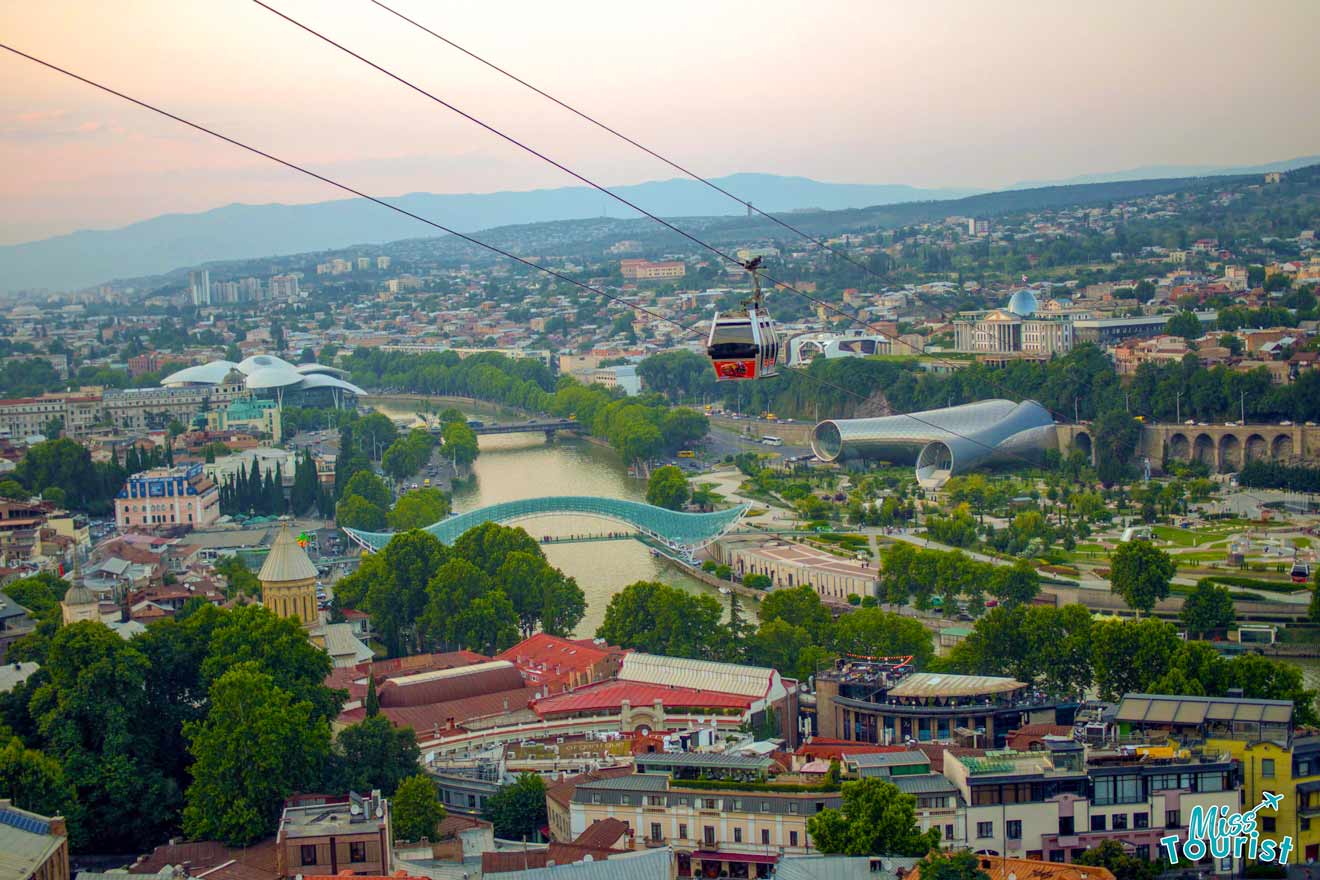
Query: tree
(802,607)
(93,716)
(667,488)
(1015,584)
(518,809)
(460,444)
(1128,655)
(874,632)
(1140,572)
(1110,854)
(374,754)
(1186,325)
(393,586)
(781,645)
(356,512)
(1313,612)
(239,579)
(367,485)
(875,819)
(661,619)
(1116,438)
(371,703)
(1208,608)
(960,865)
(416,811)
(256,747)
(418,508)
(36,782)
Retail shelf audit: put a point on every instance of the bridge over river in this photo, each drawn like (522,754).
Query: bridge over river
(676,531)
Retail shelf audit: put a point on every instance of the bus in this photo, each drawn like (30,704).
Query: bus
(426,482)
(770,440)
(686,453)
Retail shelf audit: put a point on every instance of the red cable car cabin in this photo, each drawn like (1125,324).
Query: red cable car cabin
(743,346)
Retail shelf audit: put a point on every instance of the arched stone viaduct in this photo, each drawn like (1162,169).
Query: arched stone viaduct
(1223,448)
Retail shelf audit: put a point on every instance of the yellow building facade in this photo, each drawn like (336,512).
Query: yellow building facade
(1294,772)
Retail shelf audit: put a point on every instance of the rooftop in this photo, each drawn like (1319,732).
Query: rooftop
(651,864)
(1161,709)
(702,759)
(707,675)
(931,684)
(27,840)
(324,819)
(287,561)
(611,695)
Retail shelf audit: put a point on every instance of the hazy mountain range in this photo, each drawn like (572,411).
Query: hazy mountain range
(81,259)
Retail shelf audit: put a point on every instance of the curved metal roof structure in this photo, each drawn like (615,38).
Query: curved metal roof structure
(265,372)
(212,373)
(942,442)
(682,532)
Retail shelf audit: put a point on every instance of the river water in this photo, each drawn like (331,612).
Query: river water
(514,466)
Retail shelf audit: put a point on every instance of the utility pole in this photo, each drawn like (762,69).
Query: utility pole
(1076,420)
(1177,407)
(1244,408)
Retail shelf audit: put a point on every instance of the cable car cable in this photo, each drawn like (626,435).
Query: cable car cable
(586,180)
(436,225)
(623,137)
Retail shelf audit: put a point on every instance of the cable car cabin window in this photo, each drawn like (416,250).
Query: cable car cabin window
(733,341)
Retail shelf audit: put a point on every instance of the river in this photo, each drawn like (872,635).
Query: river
(513,466)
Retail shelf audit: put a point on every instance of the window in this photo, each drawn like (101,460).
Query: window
(737,803)
(357,851)
(792,806)
(1067,825)
(1143,852)
(655,800)
(1267,768)
(985,829)
(1267,824)
(1120,821)
(737,835)
(708,804)
(765,806)
(1098,822)
(625,799)
(948,832)
(708,835)
(308,854)
(472,801)
(1013,828)
(792,838)
(682,832)
(1141,820)
(1172,819)
(1056,855)
(655,831)
(1306,824)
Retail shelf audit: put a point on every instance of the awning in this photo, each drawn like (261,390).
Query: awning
(749,858)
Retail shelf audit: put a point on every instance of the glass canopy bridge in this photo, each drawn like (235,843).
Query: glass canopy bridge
(680,533)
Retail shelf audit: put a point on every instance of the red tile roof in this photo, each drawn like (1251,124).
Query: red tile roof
(604,834)
(383,669)
(425,718)
(543,651)
(559,853)
(936,754)
(458,685)
(826,749)
(1021,740)
(215,860)
(611,694)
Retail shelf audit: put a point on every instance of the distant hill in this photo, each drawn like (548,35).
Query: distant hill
(170,241)
(1147,172)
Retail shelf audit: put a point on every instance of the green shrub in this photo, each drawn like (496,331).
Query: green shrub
(854,599)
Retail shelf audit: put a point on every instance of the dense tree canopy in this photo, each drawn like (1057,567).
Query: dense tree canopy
(875,819)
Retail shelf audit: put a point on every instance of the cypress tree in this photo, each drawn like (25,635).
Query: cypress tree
(372,702)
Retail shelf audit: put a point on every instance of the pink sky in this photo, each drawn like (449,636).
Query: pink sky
(931,94)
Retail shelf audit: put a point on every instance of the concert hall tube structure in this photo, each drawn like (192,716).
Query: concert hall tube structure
(942,442)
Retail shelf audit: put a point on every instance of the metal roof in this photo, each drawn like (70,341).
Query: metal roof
(635,782)
(924,783)
(25,843)
(651,864)
(887,759)
(705,675)
(934,684)
(702,759)
(819,867)
(1186,710)
(286,561)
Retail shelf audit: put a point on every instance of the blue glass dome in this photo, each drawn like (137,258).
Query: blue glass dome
(1023,303)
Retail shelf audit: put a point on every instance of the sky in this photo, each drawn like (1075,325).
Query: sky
(931,94)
